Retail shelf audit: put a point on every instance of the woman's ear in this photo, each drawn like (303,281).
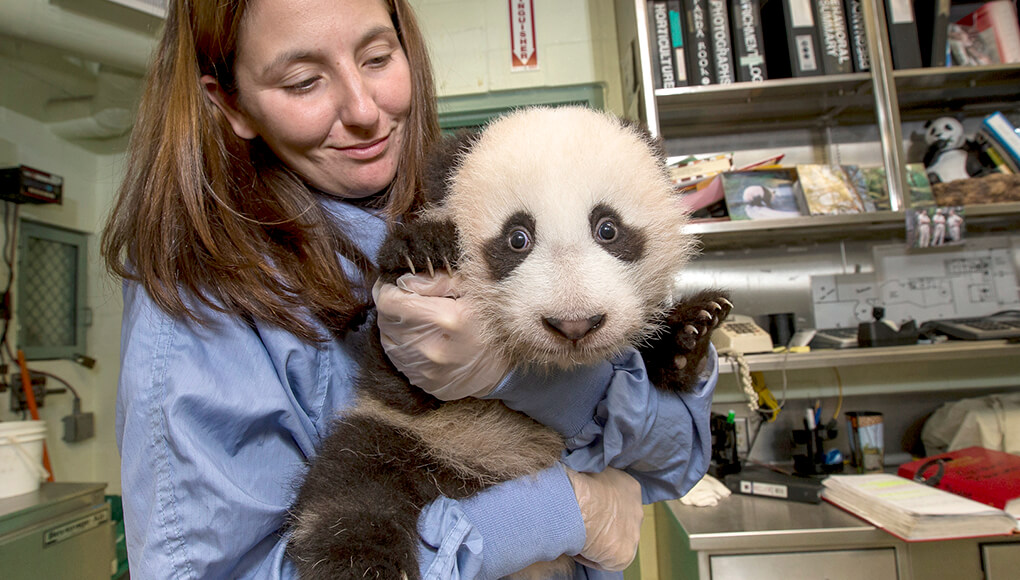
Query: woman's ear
(238,120)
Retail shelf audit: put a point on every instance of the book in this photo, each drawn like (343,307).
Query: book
(834,40)
(1004,134)
(748,41)
(762,194)
(876,190)
(854,14)
(760,481)
(722,42)
(991,153)
(676,36)
(988,476)
(932,18)
(906,48)
(995,23)
(791,41)
(700,63)
(693,168)
(859,184)
(919,193)
(913,511)
(662,45)
(826,191)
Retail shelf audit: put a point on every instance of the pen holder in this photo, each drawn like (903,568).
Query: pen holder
(813,461)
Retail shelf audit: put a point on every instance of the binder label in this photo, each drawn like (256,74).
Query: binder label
(761,488)
(801,15)
(806,52)
(902,11)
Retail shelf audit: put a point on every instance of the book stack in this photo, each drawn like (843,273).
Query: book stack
(913,511)
(1000,142)
(984,475)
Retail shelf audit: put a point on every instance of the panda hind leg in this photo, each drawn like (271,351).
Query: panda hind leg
(674,358)
(419,246)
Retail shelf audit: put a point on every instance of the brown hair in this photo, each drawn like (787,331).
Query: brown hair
(205,213)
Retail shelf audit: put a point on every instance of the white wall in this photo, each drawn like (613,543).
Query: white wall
(89,184)
(470,46)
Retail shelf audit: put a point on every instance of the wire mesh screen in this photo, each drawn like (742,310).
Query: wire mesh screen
(50,292)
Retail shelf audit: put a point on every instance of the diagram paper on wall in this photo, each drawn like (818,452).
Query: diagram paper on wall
(843,300)
(975,280)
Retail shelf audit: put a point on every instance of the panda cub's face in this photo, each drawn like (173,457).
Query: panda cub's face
(570,234)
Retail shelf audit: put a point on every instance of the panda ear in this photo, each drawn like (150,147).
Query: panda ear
(442,160)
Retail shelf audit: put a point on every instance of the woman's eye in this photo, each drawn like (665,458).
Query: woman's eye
(302,86)
(519,240)
(605,230)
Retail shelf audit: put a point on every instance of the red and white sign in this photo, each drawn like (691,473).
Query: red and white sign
(523,50)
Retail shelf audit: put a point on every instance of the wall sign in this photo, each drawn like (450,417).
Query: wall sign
(523,49)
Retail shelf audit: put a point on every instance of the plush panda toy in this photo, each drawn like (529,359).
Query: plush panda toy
(950,155)
(565,228)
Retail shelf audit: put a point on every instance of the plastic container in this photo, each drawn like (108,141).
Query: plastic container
(21,452)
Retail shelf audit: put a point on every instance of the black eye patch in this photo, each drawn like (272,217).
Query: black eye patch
(617,238)
(511,246)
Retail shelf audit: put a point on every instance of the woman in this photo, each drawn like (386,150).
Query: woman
(275,141)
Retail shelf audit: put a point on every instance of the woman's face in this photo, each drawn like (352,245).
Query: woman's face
(326,84)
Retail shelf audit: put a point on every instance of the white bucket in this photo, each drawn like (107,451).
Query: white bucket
(21,451)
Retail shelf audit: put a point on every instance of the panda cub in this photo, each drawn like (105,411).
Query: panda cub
(564,226)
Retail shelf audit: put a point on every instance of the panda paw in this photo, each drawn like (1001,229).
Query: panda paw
(419,246)
(674,360)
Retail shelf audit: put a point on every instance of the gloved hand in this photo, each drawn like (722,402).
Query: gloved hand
(611,508)
(430,334)
(706,493)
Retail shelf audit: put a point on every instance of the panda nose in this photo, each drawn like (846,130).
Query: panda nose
(574,329)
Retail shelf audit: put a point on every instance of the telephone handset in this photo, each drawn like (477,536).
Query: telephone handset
(739,333)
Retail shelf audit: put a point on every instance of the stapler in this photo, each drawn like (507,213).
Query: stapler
(881,332)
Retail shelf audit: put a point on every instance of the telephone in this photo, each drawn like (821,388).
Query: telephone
(740,333)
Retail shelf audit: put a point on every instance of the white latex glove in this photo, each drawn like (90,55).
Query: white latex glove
(429,333)
(706,493)
(610,504)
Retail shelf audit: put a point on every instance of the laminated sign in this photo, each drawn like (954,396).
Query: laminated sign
(523,50)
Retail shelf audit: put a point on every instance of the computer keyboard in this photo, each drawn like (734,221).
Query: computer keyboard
(997,326)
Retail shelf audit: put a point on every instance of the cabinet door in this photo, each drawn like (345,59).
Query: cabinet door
(1000,561)
(877,564)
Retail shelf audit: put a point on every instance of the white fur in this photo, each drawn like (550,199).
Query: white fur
(557,164)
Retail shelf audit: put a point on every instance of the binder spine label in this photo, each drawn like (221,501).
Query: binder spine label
(699,44)
(761,488)
(750,61)
(858,41)
(663,45)
(835,43)
(721,43)
(806,52)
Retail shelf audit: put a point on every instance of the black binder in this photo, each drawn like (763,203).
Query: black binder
(791,38)
(906,48)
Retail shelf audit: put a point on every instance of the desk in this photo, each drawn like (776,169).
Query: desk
(765,539)
(61,530)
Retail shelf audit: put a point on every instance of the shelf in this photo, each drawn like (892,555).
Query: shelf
(951,350)
(721,235)
(929,92)
(778,103)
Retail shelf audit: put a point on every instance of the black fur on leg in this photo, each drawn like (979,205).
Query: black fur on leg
(673,358)
(418,243)
(357,511)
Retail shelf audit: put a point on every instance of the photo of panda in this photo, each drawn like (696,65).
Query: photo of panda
(553,217)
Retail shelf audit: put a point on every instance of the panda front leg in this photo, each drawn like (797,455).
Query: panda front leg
(420,246)
(674,358)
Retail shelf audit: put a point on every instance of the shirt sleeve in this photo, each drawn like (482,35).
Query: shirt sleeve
(611,415)
(502,529)
(201,413)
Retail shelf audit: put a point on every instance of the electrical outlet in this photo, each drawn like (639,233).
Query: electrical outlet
(743,436)
(18,400)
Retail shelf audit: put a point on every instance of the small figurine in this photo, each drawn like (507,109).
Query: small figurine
(950,154)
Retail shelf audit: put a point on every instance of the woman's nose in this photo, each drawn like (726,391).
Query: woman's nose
(356,102)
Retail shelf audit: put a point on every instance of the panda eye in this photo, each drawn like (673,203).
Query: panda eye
(519,240)
(605,230)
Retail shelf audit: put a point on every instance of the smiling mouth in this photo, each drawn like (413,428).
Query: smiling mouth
(366,150)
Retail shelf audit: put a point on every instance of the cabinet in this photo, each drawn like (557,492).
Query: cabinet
(754,537)
(864,117)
